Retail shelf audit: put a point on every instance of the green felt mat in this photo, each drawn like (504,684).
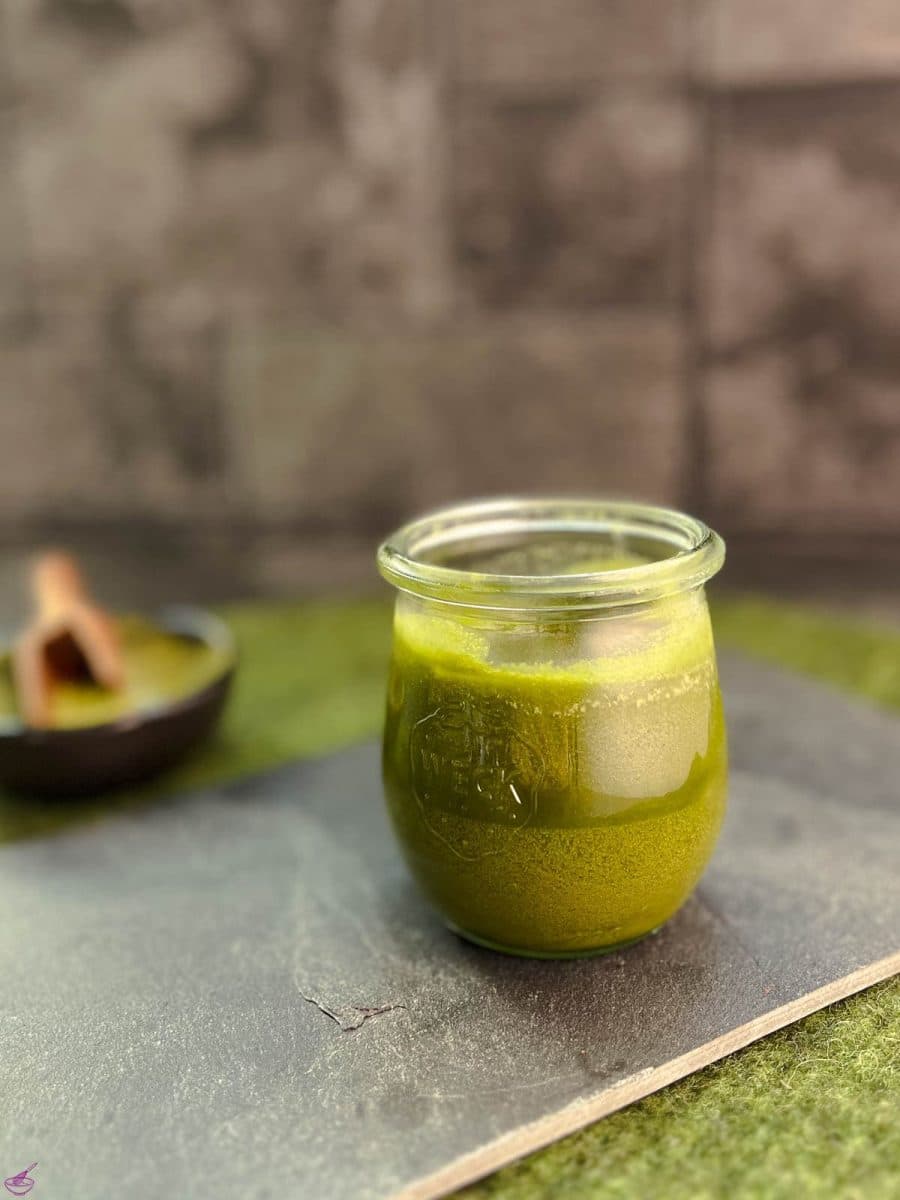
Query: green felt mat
(810,1111)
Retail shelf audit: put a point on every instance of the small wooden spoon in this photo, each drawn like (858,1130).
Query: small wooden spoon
(69,638)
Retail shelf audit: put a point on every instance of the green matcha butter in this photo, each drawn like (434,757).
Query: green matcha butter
(555,757)
(564,806)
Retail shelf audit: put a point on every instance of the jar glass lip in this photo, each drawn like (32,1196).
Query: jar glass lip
(687,553)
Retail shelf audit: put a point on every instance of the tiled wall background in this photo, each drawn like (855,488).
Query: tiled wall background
(276,273)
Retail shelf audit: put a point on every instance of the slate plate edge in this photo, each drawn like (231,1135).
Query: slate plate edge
(538,1134)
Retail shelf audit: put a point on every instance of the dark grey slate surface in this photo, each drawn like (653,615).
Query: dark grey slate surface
(239,995)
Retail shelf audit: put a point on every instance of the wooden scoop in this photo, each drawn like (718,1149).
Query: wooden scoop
(69,638)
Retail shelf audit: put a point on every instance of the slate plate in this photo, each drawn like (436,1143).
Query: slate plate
(239,995)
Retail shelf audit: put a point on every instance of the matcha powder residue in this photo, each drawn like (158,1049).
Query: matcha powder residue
(161,668)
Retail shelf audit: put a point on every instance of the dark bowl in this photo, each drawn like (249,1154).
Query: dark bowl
(97,758)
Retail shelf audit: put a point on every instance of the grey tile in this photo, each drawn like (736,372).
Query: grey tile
(336,431)
(577,202)
(758,42)
(773,465)
(305,171)
(530,45)
(802,310)
(113,414)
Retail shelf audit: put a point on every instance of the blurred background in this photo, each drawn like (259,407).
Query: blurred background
(276,274)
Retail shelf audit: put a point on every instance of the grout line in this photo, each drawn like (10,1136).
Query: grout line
(698,236)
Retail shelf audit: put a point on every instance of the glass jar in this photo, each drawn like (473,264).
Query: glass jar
(554,750)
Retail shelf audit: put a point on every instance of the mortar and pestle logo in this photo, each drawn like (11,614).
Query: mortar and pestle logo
(21,1184)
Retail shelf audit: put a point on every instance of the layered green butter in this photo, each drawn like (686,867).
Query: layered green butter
(557,788)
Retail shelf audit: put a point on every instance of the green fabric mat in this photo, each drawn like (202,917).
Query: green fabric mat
(810,1111)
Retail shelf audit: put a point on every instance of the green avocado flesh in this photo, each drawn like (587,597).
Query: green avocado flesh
(566,804)
(161,668)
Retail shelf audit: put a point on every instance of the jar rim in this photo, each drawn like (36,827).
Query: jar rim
(695,554)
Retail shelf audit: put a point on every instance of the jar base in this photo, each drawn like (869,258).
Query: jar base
(522,952)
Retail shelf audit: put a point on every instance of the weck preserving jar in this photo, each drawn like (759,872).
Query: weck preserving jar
(554,750)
